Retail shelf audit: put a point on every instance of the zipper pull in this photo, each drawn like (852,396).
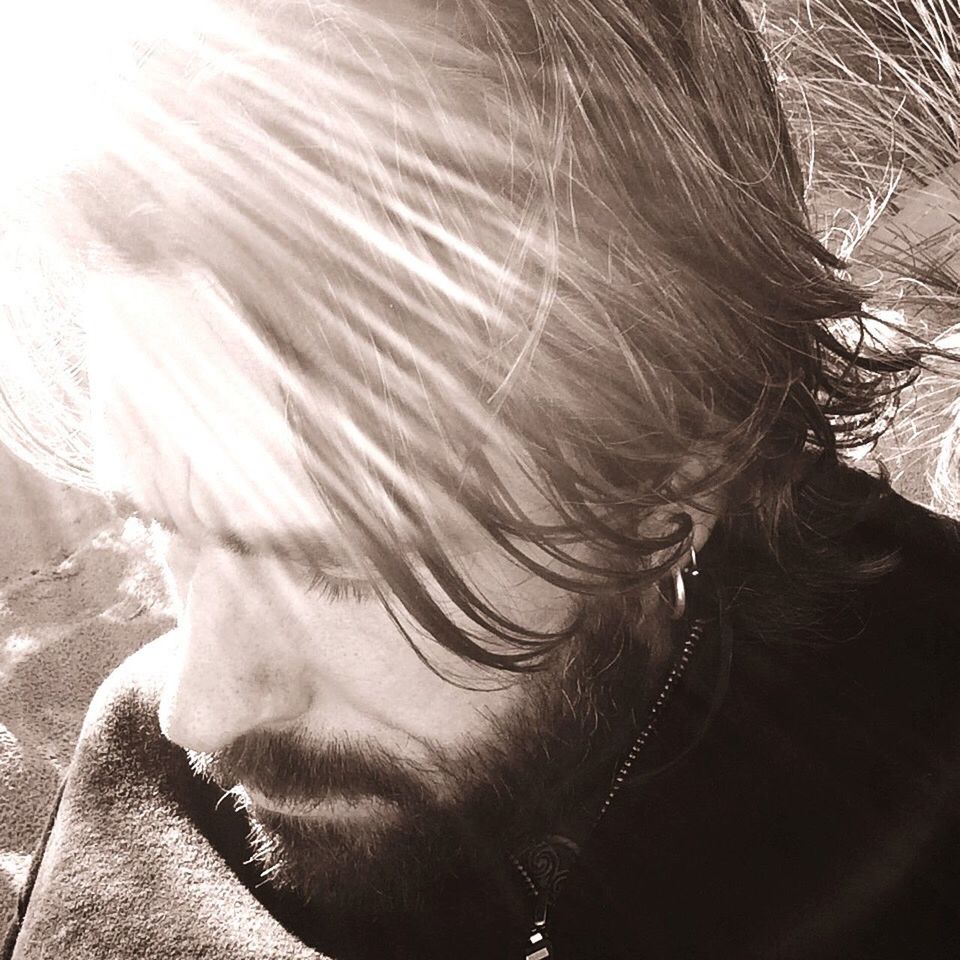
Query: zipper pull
(538,945)
(544,865)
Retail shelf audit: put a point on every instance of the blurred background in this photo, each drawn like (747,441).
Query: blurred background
(871,87)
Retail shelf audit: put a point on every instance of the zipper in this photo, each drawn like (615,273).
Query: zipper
(538,941)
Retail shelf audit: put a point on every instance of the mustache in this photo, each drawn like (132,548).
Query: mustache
(290,767)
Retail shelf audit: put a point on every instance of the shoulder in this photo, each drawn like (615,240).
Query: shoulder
(905,605)
(122,716)
(922,537)
(852,556)
(818,807)
(869,610)
(126,835)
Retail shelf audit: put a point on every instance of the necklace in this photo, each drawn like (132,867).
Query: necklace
(545,865)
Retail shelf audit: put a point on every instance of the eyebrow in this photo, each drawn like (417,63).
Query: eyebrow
(297,545)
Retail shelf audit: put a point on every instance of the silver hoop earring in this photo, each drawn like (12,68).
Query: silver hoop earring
(679,587)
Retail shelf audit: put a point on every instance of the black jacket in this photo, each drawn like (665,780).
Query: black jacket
(813,812)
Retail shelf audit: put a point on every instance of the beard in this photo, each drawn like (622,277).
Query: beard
(407,830)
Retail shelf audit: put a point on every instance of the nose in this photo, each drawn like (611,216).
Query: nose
(238,665)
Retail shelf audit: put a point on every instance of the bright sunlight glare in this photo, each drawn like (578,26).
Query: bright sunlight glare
(59,63)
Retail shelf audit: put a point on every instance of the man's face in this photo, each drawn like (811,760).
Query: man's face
(344,741)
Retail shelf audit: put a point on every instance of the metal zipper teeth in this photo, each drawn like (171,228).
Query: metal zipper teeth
(653,717)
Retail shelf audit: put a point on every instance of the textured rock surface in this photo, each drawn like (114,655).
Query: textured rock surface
(40,519)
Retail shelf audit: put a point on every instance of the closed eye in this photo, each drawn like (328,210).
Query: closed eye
(324,584)
(341,589)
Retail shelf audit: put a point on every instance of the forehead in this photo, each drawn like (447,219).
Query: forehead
(188,409)
(189,417)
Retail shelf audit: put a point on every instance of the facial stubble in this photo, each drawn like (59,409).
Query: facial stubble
(458,814)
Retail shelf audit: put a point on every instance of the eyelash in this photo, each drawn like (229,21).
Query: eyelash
(334,589)
(339,590)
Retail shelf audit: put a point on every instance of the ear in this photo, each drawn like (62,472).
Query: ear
(703,523)
(706,509)
(704,515)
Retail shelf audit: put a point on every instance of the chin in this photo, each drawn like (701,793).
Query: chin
(351,857)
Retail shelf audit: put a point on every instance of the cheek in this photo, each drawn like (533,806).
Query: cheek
(523,598)
(369,680)
(365,677)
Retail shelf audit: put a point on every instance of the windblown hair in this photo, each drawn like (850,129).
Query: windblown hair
(569,231)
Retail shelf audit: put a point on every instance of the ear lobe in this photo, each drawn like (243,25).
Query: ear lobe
(703,524)
(706,508)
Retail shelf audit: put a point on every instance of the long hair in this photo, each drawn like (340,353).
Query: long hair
(571,231)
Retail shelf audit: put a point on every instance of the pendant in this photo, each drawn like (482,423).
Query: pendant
(538,946)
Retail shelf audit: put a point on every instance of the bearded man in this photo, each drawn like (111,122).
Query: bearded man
(484,386)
